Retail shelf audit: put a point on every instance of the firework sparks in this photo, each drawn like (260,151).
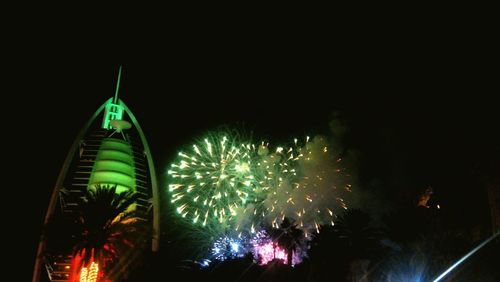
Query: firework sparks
(307,183)
(212,180)
(227,247)
(265,250)
(231,184)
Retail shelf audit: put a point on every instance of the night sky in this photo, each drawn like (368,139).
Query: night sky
(415,122)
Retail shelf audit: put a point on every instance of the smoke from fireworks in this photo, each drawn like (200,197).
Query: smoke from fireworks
(317,194)
(304,182)
(233,184)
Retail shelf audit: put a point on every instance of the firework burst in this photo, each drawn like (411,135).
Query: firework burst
(265,250)
(233,185)
(310,186)
(227,247)
(212,180)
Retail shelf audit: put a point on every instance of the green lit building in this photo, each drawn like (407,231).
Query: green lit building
(110,149)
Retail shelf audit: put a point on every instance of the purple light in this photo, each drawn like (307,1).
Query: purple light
(266,253)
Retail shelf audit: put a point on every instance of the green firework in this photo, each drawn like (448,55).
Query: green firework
(213,179)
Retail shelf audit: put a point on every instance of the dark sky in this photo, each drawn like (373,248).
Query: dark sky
(416,119)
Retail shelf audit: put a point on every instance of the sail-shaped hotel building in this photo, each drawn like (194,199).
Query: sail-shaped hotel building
(110,150)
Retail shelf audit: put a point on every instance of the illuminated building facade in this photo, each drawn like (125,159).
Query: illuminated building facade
(110,149)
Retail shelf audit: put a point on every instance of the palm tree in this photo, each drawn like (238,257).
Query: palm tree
(107,226)
(354,229)
(288,236)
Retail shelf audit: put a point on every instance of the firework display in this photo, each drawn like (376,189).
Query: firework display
(212,179)
(260,245)
(234,185)
(227,247)
(312,190)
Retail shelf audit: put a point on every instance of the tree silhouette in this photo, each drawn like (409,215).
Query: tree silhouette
(287,236)
(354,229)
(107,226)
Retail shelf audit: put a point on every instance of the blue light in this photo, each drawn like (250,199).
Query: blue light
(234,247)
(227,248)
(205,263)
